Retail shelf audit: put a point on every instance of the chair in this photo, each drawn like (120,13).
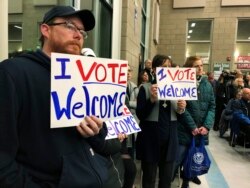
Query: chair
(233,141)
(245,139)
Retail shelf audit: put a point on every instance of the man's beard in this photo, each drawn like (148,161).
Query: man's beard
(69,47)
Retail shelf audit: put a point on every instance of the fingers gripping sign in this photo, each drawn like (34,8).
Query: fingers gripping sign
(90,126)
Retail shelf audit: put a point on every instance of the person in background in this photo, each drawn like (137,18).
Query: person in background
(33,155)
(213,82)
(241,117)
(198,117)
(119,150)
(143,77)
(227,114)
(157,143)
(238,73)
(130,101)
(222,95)
(247,81)
(237,84)
(111,149)
(128,145)
(148,68)
(175,65)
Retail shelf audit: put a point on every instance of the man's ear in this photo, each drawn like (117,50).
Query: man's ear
(45,29)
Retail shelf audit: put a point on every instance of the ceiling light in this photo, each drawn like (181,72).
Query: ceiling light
(193,24)
(190,31)
(188,36)
(18,27)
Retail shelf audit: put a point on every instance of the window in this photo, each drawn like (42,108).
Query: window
(243,41)
(199,39)
(15,37)
(105,34)
(143,34)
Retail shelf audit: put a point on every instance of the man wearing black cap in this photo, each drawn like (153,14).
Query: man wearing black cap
(31,154)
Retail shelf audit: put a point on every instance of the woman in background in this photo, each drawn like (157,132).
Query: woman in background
(198,117)
(156,144)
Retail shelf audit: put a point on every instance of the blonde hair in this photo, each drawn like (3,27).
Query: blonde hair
(237,80)
(191,60)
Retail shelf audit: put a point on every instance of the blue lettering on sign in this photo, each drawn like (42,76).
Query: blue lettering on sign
(161,74)
(127,124)
(123,126)
(130,120)
(171,91)
(60,111)
(103,103)
(63,68)
(108,105)
(111,130)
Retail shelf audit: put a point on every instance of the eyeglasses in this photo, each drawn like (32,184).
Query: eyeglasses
(71,27)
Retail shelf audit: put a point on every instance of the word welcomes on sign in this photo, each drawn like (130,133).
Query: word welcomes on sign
(125,124)
(176,83)
(83,86)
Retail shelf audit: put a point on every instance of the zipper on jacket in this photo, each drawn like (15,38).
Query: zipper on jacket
(118,174)
(91,153)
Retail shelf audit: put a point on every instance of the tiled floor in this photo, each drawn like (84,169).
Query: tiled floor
(230,166)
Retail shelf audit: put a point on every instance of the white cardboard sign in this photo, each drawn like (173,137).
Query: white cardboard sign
(176,83)
(83,86)
(125,124)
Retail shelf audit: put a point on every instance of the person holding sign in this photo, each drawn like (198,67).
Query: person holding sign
(198,117)
(33,155)
(156,144)
(128,145)
(130,101)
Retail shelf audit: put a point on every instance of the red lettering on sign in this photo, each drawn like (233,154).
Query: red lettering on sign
(113,67)
(126,111)
(170,74)
(181,75)
(117,71)
(122,73)
(85,77)
(98,75)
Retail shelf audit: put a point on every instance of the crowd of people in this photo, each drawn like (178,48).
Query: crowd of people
(33,155)
(232,89)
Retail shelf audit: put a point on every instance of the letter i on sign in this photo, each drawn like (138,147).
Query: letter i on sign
(161,74)
(63,62)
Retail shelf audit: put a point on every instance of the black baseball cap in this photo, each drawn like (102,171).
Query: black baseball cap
(86,16)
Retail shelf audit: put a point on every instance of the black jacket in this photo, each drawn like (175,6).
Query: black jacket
(111,151)
(31,153)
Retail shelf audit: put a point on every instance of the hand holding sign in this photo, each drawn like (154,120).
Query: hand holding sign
(90,126)
(154,93)
(181,105)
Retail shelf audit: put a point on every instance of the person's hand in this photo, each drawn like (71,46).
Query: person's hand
(122,136)
(181,105)
(89,126)
(203,130)
(195,131)
(153,93)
